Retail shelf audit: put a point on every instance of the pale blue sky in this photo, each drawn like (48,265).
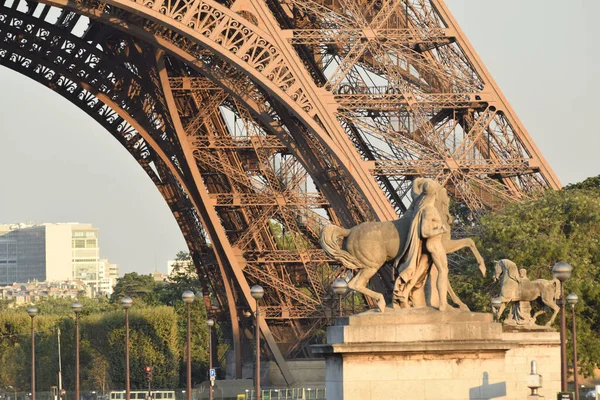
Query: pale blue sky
(58,165)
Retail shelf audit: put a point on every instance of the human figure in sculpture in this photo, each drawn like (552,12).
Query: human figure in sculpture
(523,274)
(426,233)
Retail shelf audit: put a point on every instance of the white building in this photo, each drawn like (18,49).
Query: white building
(54,252)
(108,275)
(178,266)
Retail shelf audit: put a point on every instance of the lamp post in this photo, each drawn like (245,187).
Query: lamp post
(76,307)
(340,287)
(32,311)
(188,298)
(257,293)
(210,322)
(126,303)
(496,304)
(562,271)
(572,300)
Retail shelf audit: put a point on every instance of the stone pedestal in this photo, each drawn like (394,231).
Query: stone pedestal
(426,354)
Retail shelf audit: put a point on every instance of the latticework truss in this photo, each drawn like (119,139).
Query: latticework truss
(261,120)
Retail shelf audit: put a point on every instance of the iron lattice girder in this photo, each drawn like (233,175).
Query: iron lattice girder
(348,36)
(386,102)
(56,70)
(438,108)
(507,167)
(310,200)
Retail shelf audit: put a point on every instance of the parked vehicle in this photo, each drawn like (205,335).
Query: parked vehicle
(143,394)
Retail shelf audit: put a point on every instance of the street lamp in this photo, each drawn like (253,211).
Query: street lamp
(562,271)
(496,304)
(572,300)
(32,311)
(188,297)
(340,287)
(210,322)
(257,293)
(76,307)
(126,303)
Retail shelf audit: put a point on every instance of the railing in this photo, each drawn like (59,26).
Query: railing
(286,394)
(201,393)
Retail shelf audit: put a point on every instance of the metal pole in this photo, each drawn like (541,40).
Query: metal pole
(257,334)
(32,360)
(59,366)
(563,342)
(210,362)
(188,393)
(341,313)
(574,338)
(127,390)
(77,396)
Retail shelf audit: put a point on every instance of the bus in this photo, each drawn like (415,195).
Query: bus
(143,394)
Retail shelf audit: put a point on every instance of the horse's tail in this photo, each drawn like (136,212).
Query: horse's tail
(556,283)
(329,243)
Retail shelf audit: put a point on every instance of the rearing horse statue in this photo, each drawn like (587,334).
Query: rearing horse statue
(368,246)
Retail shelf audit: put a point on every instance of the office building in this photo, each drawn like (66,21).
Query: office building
(54,252)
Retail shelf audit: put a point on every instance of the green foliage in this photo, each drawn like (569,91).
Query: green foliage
(158,328)
(141,288)
(560,226)
(15,348)
(592,183)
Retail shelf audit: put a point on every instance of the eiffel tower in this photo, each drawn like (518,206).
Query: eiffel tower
(262,120)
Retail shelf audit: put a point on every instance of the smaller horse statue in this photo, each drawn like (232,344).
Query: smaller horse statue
(516,287)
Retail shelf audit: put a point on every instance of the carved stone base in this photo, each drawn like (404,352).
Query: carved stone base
(421,353)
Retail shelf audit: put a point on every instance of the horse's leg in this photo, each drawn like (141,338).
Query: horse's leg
(456,299)
(548,300)
(537,314)
(453,246)
(359,283)
(555,310)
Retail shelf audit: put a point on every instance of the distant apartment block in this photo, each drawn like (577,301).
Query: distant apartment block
(54,252)
(23,293)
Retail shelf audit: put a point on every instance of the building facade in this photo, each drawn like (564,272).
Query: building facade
(54,252)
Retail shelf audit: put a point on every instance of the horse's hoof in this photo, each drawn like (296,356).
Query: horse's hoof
(381,305)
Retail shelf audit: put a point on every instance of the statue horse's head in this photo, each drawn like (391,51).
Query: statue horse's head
(506,266)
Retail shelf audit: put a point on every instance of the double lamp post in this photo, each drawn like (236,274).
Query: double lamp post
(562,271)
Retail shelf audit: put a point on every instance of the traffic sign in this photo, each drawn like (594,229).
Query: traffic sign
(213,373)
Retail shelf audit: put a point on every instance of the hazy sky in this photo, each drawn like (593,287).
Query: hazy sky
(58,165)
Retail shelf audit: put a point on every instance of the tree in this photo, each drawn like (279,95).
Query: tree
(184,277)
(141,288)
(591,183)
(560,226)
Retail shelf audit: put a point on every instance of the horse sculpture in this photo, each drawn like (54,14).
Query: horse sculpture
(514,287)
(368,246)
